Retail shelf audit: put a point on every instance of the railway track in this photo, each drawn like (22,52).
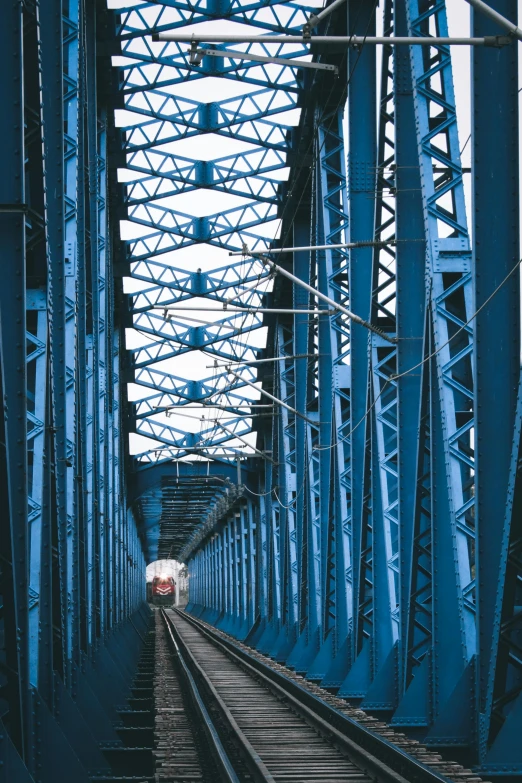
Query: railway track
(262,725)
(180,749)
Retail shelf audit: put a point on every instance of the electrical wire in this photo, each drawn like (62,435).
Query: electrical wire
(316,154)
(315,157)
(395,377)
(259,494)
(318,148)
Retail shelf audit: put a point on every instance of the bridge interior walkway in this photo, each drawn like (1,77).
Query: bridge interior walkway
(260,314)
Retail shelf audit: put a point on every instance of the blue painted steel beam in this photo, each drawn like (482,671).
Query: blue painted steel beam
(498,750)
(15,534)
(411,318)
(53,119)
(496,245)
(57,653)
(362,150)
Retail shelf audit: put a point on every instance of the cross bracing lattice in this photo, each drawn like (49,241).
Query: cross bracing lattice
(206,153)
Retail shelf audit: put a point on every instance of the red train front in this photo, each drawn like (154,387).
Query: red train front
(163,591)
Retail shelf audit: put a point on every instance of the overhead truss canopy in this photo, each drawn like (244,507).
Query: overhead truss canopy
(207,157)
(206,150)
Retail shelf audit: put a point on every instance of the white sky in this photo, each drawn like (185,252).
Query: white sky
(163,568)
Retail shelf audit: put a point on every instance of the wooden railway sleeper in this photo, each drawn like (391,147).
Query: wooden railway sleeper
(218,751)
(256,767)
(294,694)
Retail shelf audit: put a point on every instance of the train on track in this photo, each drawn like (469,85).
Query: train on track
(162,591)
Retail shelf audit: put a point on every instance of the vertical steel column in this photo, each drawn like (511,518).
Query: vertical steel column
(411,315)
(221,574)
(308,565)
(335,657)
(213,573)
(308,586)
(70,150)
(232,559)
(501,718)
(243,574)
(496,247)
(208,575)
(82,472)
(37,494)
(94,458)
(251,569)
(206,562)
(384,428)
(227,604)
(53,122)
(101,332)
(262,544)
(434,690)
(37,338)
(90,527)
(13,466)
(286,493)
(325,398)
(362,145)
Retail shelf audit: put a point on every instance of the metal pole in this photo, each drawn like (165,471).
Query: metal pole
(496,17)
(352,41)
(263,361)
(246,310)
(243,440)
(346,245)
(196,55)
(316,18)
(271,397)
(321,296)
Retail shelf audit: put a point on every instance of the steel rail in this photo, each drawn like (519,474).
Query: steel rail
(216,747)
(386,762)
(253,761)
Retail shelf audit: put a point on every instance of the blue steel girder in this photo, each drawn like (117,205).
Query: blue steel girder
(161,18)
(55,223)
(451,399)
(220,338)
(167,280)
(241,175)
(497,451)
(14,587)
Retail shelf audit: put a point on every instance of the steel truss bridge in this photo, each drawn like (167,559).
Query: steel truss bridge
(347,493)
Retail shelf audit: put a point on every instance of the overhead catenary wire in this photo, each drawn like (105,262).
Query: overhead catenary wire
(243,440)
(397,376)
(315,292)
(270,396)
(240,310)
(316,153)
(283,358)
